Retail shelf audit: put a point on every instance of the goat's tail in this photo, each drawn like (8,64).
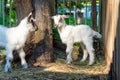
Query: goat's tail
(97,34)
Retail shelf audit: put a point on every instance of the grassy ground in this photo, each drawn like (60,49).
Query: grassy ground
(58,70)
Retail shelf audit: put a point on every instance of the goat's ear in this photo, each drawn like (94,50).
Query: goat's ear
(65,16)
(29,17)
(30,14)
(61,19)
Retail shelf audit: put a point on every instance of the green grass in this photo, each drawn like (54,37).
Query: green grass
(2,53)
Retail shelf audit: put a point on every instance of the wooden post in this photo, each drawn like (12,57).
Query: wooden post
(114,73)
(109,23)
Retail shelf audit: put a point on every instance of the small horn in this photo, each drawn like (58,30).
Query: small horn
(30,14)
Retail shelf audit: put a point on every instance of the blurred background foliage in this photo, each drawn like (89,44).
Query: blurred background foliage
(69,7)
(7,13)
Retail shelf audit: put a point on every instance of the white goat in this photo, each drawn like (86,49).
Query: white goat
(14,39)
(70,34)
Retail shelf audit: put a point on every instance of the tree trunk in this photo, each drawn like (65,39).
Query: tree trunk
(39,46)
(94,15)
(43,38)
(109,23)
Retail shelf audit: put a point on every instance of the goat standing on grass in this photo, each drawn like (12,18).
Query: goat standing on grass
(80,33)
(14,39)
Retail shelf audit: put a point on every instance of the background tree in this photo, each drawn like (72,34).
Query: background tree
(94,15)
(39,46)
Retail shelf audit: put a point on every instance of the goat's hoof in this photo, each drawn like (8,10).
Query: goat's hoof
(90,64)
(82,60)
(8,70)
(67,62)
(24,66)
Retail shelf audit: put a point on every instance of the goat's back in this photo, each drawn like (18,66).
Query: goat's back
(88,31)
(81,32)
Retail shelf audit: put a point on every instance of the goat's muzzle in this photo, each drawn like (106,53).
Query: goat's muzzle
(56,25)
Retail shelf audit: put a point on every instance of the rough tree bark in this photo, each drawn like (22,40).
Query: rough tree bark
(39,46)
(109,23)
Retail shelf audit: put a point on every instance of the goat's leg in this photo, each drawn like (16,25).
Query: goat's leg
(89,46)
(22,57)
(9,58)
(69,51)
(85,53)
